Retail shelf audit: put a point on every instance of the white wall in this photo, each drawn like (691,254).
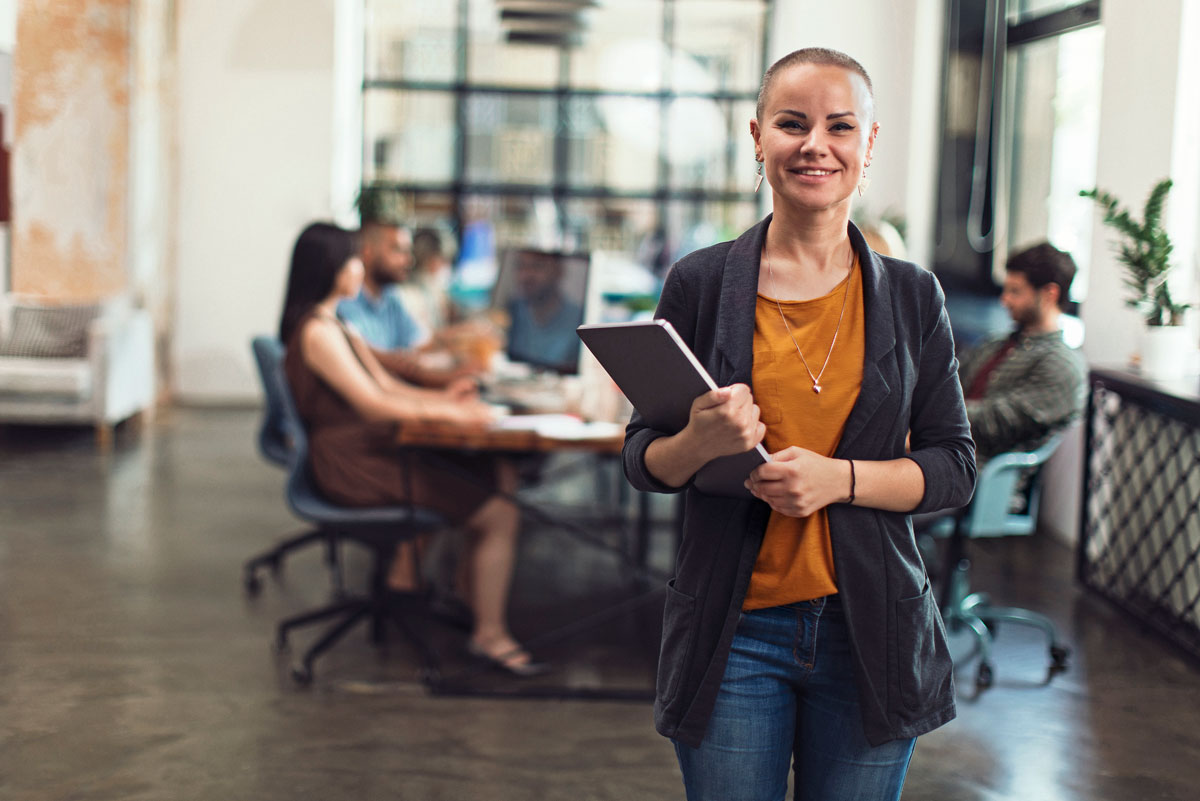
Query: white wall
(8,25)
(1138,146)
(255,123)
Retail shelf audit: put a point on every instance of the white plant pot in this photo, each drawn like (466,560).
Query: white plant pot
(1167,352)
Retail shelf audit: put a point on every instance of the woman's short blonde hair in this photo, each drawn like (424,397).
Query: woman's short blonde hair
(823,56)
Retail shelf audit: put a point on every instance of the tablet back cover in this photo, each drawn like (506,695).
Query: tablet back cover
(661,377)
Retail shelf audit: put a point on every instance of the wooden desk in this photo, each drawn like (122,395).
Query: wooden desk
(451,436)
(457,437)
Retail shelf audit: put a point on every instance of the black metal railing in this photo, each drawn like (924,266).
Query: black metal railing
(1139,541)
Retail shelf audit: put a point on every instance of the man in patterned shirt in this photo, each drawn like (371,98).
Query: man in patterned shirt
(1023,387)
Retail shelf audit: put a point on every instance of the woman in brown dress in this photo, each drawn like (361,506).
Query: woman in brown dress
(351,407)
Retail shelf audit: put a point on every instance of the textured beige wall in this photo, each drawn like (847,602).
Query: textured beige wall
(71,73)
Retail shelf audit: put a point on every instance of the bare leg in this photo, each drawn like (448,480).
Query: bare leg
(404,575)
(491,559)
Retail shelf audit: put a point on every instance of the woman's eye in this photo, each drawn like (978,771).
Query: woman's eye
(842,126)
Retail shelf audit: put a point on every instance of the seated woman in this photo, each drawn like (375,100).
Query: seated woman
(351,407)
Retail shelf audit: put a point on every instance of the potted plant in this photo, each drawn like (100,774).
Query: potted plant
(1145,250)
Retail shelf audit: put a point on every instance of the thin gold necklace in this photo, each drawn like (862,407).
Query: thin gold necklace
(816,379)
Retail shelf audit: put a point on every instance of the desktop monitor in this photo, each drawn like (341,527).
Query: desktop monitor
(544,295)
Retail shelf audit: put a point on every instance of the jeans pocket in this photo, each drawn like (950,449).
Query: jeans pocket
(922,671)
(677,637)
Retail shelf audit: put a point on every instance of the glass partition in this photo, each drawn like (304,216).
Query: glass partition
(628,134)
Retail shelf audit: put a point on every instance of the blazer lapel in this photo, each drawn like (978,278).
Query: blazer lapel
(735,324)
(735,314)
(879,370)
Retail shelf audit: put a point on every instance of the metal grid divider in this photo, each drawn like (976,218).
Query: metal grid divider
(1139,544)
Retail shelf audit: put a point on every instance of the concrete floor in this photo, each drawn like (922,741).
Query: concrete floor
(133,665)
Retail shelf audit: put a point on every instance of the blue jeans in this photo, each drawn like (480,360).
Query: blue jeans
(789,694)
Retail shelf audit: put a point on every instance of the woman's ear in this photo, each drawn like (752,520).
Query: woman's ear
(871,140)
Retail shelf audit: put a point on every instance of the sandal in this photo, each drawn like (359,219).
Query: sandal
(504,662)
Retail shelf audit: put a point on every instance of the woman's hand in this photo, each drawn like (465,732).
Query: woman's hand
(462,389)
(468,412)
(797,482)
(725,421)
(721,422)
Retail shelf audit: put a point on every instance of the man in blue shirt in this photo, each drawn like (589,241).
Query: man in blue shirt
(377,313)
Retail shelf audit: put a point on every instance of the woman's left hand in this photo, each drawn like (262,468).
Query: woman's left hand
(462,389)
(797,482)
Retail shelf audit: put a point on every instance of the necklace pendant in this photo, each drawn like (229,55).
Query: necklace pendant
(817,388)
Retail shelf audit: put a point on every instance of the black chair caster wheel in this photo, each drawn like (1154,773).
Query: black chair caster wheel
(302,675)
(1059,657)
(983,679)
(252,585)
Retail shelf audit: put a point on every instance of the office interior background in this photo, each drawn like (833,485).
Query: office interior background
(169,151)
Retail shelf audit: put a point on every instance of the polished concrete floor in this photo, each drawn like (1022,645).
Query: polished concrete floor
(133,665)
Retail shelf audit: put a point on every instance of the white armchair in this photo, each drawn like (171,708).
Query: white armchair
(75,364)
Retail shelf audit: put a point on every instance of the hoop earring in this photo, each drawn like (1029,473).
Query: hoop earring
(758,168)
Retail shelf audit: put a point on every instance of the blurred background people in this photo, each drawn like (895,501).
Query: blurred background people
(352,406)
(1022,387)
(425,294)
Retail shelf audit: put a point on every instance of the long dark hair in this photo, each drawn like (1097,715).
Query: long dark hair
(320,252)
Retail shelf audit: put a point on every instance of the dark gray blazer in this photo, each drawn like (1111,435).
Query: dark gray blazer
(910,383)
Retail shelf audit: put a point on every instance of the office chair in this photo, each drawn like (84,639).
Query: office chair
(991,513)
(274,443)
(379,529)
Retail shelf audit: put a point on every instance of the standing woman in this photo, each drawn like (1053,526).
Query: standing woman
(351,407)
(800,627)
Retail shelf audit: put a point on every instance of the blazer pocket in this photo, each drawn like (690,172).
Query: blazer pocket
(766,387)
(923,665)
(675,651)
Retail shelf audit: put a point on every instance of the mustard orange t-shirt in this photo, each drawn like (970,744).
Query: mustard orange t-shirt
(795,562)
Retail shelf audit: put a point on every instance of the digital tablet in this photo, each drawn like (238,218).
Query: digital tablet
(661,377)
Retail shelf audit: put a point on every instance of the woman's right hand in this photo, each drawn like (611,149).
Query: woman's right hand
(470,412)
(725,421)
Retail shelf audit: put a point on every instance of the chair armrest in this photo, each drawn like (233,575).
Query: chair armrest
(121,355)
(989,510)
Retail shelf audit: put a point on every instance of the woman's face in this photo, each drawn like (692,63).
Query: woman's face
(815,135)
(349,279)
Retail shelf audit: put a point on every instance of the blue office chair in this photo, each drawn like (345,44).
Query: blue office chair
(275,444)
(379,529)
(1004,479)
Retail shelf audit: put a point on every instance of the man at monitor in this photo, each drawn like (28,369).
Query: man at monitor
(378,313)
(542,319)
(1022,387)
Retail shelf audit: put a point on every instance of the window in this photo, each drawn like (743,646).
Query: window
(1020,110)
(626,133)
(1053,102)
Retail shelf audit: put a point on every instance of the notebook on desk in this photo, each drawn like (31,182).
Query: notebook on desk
(661,377)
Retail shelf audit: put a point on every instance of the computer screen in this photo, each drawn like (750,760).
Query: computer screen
(543,295)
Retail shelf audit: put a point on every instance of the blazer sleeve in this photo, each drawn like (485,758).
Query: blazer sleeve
(673,307)
(940,443)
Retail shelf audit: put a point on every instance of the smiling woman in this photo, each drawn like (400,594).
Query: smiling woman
(800,628)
